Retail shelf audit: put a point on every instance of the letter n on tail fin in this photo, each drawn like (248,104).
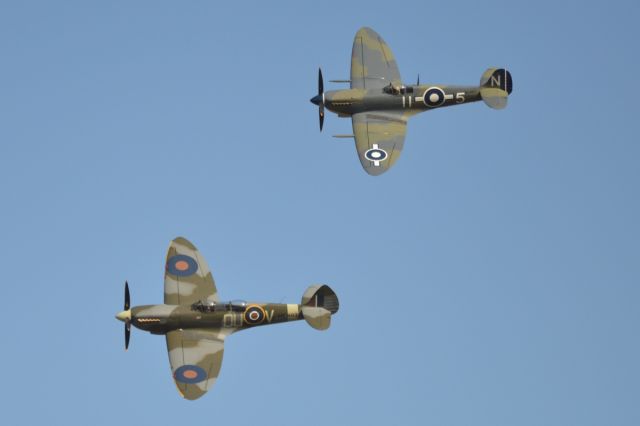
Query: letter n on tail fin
(495,87)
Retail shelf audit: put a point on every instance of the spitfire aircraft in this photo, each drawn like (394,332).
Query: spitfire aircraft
(195,322)
(380,105)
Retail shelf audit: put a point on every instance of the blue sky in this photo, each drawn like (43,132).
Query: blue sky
(490,278)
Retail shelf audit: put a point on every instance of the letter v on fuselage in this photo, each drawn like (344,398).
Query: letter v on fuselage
(195,322)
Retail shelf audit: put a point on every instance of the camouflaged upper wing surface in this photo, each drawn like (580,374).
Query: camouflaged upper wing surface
(373,65)
(196,357)
(379,139)
(187,277)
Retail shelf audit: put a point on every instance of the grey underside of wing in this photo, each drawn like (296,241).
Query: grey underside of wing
(379,131)
(196,358)
(372,62)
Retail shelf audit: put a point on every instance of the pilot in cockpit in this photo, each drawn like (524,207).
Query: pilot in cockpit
(393,89)
(211,306)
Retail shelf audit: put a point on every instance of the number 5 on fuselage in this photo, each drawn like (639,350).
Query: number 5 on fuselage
(380,105)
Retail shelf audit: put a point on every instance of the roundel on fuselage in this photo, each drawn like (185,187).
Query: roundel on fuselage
(254,314)
(433,97)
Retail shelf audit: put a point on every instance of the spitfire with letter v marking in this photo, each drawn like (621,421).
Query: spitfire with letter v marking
(196,323)
(380,105)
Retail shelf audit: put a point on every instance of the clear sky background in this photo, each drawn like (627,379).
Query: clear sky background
(490,278)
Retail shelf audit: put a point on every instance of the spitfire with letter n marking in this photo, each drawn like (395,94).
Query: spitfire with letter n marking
(380,105)
(196,323)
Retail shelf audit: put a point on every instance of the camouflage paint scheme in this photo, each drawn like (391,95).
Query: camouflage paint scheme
(380,105)
(196,323)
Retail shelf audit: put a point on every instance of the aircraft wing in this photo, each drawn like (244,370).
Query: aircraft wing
(196,357)
(373,65)
(187,277)
(379,139)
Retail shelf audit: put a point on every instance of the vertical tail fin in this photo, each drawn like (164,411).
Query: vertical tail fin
(319,302)
(495,87)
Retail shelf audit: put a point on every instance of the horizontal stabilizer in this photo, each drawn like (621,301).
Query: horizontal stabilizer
(343,136)
(495,87)
(318,318)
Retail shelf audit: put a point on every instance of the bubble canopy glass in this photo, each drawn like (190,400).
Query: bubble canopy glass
(210,306)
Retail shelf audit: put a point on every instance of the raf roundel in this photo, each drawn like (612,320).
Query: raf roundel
(189,374)
(433,97)
(376,154)
(254,314)
(182,265)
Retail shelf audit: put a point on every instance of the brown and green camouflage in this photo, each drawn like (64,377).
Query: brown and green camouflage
(196,323)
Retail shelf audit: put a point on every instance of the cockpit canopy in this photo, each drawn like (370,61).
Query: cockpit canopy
(210,306)
(393,89)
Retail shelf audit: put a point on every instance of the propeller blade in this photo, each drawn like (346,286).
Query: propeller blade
(418,83)
(127,299)
(127,335)
(321,96)
(127,324)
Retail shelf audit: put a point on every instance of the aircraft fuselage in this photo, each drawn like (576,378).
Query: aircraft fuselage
(409,99)
(160,319)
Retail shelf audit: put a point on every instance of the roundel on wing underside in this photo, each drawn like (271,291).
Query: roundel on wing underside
(182,265)
(189,374)
(376,154)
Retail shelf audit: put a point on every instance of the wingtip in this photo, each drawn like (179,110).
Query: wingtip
(368,31)
(375,171)
(184,242)
(191,396)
